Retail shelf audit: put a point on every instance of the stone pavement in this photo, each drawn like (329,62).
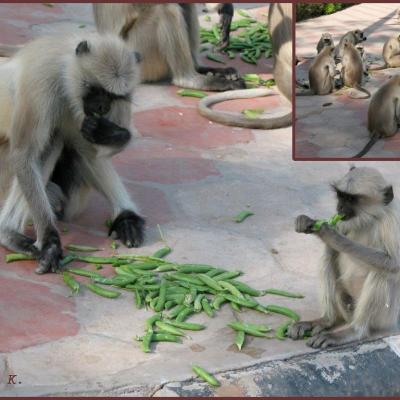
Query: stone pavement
(340,129)
(190,176)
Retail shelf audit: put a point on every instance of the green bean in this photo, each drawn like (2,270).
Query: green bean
(227,275)
(150,296)
(169,328)
(246,288)
(71,282)
(215,271)
(191,93)
(214,58)
(86,249)
(232,289)
(175,312)
(189,299)
(199,288)
(161,253)
(178,298)
(122,270)
(153,303)
(169,304)
(18,257)
(283,293)
(240,326)
(194,268)
(243,13)
(151,321)
(235,307)
(162,337)
(281,330)
(118,280)
(85,272)
(242,302)
(67,259)
(162,297)
(261,308)
(166,268)
(242,216)
(206,376)
(142,266)
(184,314)
(210,282)
(197,303)
(218,301)
(147,341)
(186,325)
(186,278)
(283,310)
(215,31)
(138,299)
(176,290)
(110,294)
(96,260)
(207,308)
(239,339)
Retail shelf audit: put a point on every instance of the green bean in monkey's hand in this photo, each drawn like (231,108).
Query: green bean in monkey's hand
(331,222)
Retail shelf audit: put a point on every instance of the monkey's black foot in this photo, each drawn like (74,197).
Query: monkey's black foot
(227,73)
(129,228)
(18,242)
(298,330)
(323,340)
(223,84)
(51,253)
(304,224)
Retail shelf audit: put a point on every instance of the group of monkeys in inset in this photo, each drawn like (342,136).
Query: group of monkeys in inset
(383,108)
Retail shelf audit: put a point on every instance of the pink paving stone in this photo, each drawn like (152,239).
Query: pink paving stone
(306,150)
(151,202)
(189,128)
(393,143)
(31,314)
(162,163)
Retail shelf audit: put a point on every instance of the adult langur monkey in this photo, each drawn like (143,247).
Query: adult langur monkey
(280,26)
(390,54)
(354,37)
(361,266)
(383,113)
(167,37)
(326,40)
(65,110)
(352,71)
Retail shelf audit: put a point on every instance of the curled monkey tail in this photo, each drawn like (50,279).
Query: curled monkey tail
(7,50)
(226,118)
(374,138)
(361,89)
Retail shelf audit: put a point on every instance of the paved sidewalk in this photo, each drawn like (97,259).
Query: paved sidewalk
(340,130)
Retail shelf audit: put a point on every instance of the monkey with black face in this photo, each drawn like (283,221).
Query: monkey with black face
(361,266)
(390,54)
(167,37)
(354,37)
(66,111)
(326,40)
(363,56)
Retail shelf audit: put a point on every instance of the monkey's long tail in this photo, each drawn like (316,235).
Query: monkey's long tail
(361,89)
(7,50)
(375,137)
(378,68)
(226,118)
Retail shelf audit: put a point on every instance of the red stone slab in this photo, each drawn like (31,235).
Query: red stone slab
(31,314)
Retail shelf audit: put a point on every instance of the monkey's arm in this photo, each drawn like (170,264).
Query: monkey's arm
(375,258)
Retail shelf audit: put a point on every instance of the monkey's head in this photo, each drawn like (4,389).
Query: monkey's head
(359,36)
(327,39)
(362,196)
(104,71)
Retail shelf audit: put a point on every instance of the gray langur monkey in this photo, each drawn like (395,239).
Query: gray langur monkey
(352,71)
(167,38)
(321,73)
(354,37)
(361,51)
(383,113)
(390,54)
(65,110)
(326,40)
(280,27)
(361,266)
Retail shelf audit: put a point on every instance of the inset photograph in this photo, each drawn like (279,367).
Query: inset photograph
(347,80)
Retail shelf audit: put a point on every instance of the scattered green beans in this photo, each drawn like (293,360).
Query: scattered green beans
(186,325)
(283,310)
(151,321)
(242,216)
(147,342)
(281,330)
(232,289)
(283,293)
(227,275)
(209,282)
(85,272)
(162,252)
(110,294)
(169,328)
(191,93)
(215,58)
(86,249)
(206,376)
(162,337)
(207,308)
(184,314)
(250,330)
(196,268)
(239,339)
(71,282)
(18,257)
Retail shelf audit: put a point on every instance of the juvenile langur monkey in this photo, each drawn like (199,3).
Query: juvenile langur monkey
(361,51)
(390,54)
(354,37)
(383,113)
(167,37)
(326,40)
(352,69)
(321,73)
(280,27)
(361,267)
(65,110)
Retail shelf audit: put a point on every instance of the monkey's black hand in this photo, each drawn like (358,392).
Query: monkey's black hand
(51,253)
(101,131)
(304,224)
(225,12)
(129,228)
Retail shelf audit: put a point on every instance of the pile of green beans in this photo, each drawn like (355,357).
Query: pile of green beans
(252,42)
(174,292)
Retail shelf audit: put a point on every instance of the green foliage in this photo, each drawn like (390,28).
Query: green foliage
(312,10)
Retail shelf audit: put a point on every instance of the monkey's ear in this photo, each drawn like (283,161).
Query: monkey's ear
(82,48)
(387,195)
(138,57)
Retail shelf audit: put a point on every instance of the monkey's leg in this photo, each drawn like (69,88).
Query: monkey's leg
(128,224)
(394,61)
(175,47)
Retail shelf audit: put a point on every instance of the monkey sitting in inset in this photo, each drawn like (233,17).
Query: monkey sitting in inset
(361,266)
(361,51)
(390,54)
(65,110)
(354,37)
(326,40)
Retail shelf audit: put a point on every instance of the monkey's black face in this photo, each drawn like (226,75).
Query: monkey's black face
(360,36)
(347,204)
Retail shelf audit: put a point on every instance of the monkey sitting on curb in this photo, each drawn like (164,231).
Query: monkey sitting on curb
(361,267)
